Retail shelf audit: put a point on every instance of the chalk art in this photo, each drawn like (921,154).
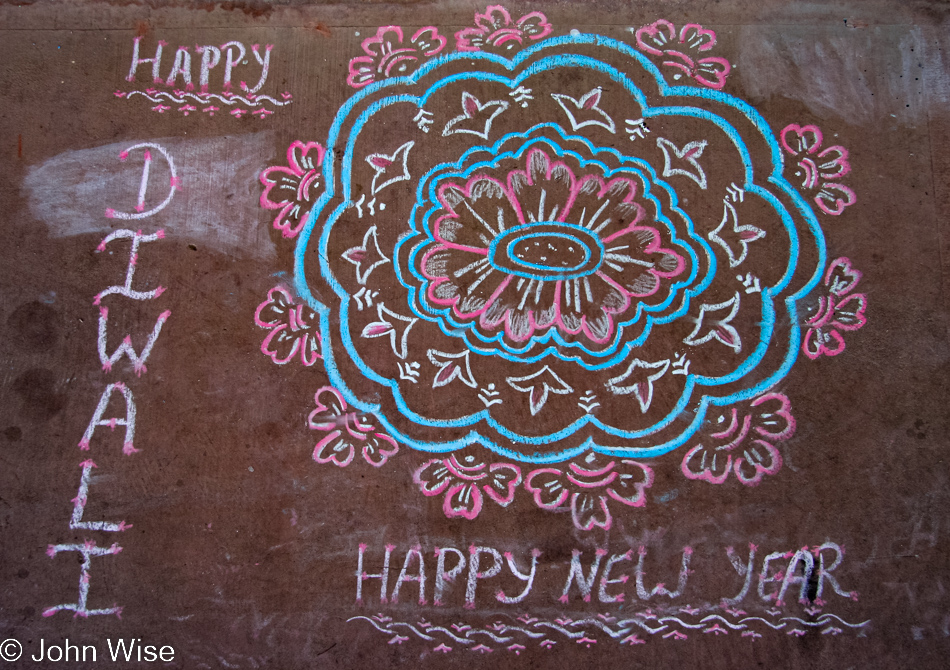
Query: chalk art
(741,441)
(495,29)
(819,171)
(589,487)
(115,296)
(291,190)
(516,634)
(387,55)
(783,592)
(684,51)
(462,481)
(550,260)
(345,433)
(838,311)
(292,328)
(179,92)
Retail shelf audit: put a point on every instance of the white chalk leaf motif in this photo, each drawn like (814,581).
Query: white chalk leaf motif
(451,366)
(396,326)
(539,385)
(638,379)
(734,238)
(586,110)
(685,161)
(390,169)
(367,257)
(476,117)
(423,119)
(714,324)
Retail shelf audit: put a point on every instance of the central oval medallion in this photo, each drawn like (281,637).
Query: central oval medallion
(547,251)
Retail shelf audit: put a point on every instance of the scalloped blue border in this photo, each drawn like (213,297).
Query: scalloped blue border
(551,62)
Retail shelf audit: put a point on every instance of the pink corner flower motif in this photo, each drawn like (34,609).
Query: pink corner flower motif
(346,432)
(819,170)
(388,56)
(684,51)
(838,311)
(495,28)
(293,188)
(292,328)
(463,482)
(589,488)
(742,441)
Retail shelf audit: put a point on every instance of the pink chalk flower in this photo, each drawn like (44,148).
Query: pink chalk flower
(741,440)
(589,488)
(292,189)
(292,328)
(346,432)
(819,169)
(535,202)
(387,55)
(495,28)
(837,312)
(684,51)
(464,483)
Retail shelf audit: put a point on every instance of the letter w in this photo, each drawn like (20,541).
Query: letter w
(125,349)
(120,649)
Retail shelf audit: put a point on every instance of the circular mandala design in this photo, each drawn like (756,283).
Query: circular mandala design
(561,253)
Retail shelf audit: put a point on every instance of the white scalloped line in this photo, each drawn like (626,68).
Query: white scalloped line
(206,98)
(624,627)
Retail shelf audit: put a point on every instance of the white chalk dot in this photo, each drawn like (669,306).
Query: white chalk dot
(250,469)
(382,206)
(575,32)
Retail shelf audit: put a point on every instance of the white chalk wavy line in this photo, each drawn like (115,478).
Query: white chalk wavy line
(731,625)
(529,633)
(765,621)
(489,634)
(452,635)
(600,624)
(829,615)
(414,630)
(559,629)
(643,625)
(375,625)
(163,95)
(682,623)
(623,627)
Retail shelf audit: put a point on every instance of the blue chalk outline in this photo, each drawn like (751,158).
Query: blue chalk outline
(541,271)
(552,62)
(451,326)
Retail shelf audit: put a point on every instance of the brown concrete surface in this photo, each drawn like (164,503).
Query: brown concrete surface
(241,551)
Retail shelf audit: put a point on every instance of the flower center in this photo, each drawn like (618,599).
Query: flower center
(547,251)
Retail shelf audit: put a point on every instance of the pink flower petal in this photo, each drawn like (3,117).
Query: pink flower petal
(654,37)
(503,480)
(334,448)
(432,477)
(379,448)
(589,510)
(833,198)
(462,499)
(547,485)
(758,460)
(714,468)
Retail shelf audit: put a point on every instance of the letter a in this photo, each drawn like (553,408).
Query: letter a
(128,421)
